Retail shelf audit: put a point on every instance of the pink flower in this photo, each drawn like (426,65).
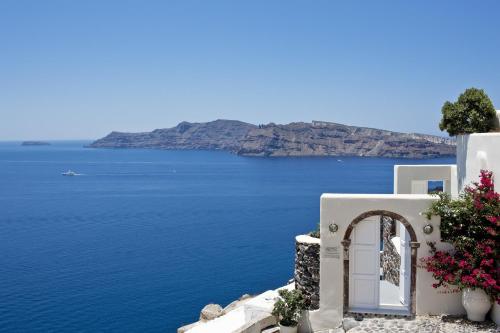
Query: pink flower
(486,178)
(490,195)
(478,205)
(487,262)
(491,282)
(467,279)
(493,219)
(491,231)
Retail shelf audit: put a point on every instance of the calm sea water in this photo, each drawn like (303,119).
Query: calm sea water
(144,239)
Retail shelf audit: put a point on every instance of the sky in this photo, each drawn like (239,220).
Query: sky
(80,69)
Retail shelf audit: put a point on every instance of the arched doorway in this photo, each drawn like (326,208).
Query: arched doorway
(367,248)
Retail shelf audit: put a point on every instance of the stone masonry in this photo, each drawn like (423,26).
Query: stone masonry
(390,259)
(307,269)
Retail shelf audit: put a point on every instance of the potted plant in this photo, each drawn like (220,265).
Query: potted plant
(287,310)
(473,273)
(471,223)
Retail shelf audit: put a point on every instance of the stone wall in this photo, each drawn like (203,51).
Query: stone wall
(389,259)
(307,269)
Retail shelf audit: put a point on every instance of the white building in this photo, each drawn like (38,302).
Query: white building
(350,240)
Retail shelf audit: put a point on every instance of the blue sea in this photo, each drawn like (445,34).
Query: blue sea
(143,239)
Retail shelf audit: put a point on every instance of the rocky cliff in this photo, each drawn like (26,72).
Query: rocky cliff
(214,135)
(294,139)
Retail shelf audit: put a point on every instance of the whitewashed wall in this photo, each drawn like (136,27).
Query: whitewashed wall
(405,174)
(475,152)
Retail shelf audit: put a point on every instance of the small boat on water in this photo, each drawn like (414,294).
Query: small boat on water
(69,173)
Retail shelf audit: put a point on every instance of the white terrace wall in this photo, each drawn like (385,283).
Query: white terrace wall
(404,175)
(342,209)
(478,151)
(475,152)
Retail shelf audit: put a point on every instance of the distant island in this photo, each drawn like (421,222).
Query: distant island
(35,143)
(318,138)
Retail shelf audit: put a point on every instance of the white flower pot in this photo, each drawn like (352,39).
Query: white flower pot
(495,313)
(288,329)
(476,303)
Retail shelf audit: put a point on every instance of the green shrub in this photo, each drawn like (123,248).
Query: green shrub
(454,213)
(473,112)
(315,233)
(288,307)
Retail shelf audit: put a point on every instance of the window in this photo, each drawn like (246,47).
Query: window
(435,186)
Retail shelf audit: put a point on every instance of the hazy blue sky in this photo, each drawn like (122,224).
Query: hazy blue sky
(79,69)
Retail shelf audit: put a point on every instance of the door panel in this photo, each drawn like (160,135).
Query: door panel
(363,295)
(364,264)
(405,268)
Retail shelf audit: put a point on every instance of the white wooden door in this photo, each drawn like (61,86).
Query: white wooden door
(405,268)
(364,264)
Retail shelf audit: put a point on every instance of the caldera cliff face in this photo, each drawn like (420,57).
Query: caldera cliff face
(294,139)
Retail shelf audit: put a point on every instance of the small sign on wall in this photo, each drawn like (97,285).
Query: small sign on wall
(332,252)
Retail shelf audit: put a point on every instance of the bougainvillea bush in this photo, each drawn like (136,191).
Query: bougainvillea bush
(471,223)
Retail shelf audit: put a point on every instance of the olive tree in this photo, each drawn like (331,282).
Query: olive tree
(473,112)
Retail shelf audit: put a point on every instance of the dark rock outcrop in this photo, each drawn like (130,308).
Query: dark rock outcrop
(294,139)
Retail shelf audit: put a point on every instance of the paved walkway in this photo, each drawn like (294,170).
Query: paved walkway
(421,324)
